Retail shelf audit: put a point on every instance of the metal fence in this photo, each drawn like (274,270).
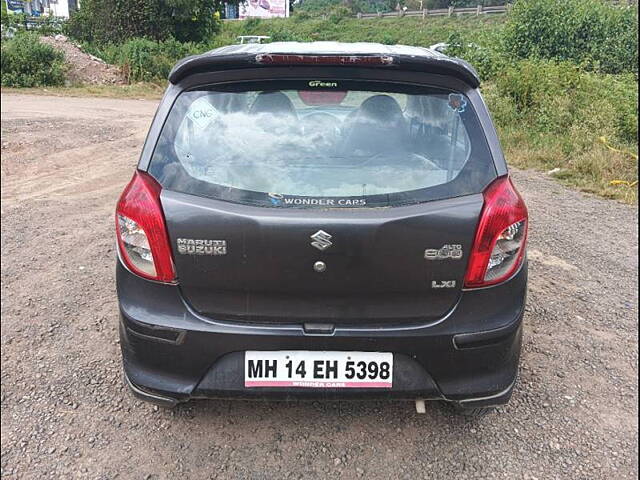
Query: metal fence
(440,12)
(456,11)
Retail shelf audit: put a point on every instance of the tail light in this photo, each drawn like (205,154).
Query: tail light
(141,230)
(293,59)
(500,242)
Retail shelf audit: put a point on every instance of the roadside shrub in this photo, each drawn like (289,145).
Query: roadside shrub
(560,98)
(28,63)
(142,59)
(485,55)
(543,92)
(593,33)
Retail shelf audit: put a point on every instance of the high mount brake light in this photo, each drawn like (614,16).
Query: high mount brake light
(290,59)
(141,231)
(501,237)
(321,97)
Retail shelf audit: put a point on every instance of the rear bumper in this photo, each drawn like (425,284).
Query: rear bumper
(172,354)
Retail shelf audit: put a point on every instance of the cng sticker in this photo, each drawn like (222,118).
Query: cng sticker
(201,113)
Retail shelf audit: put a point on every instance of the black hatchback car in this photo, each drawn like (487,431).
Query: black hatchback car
(322,220)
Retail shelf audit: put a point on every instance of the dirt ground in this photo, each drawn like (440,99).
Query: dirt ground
(83,68)
(67,414)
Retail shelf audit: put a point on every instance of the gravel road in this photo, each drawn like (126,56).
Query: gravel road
(67,414)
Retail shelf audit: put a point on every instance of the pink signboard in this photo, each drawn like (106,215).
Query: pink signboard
(264,8)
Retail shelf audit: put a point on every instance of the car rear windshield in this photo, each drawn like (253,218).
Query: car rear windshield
(322,143)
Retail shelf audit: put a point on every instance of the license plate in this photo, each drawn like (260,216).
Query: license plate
(309,369)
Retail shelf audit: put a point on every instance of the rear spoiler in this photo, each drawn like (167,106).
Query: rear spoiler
(216,60)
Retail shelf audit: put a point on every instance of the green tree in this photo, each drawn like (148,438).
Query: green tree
(115,21)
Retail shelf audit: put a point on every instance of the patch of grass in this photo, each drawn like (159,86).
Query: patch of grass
(591,170)
(553,117)
(147,91)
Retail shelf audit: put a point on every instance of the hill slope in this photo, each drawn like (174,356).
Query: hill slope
(407,31)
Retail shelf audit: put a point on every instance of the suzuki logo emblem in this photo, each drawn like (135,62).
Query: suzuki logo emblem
(321,240)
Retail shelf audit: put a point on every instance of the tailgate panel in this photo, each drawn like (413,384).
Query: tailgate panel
(375,266)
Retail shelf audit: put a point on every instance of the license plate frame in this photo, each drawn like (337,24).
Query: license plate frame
(317,369)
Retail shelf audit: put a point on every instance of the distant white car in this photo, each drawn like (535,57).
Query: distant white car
(242,39)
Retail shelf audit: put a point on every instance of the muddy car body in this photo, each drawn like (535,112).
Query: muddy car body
(322,220)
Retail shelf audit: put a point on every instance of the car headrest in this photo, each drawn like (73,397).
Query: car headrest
(275,103)
(377,126)
(381,109)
